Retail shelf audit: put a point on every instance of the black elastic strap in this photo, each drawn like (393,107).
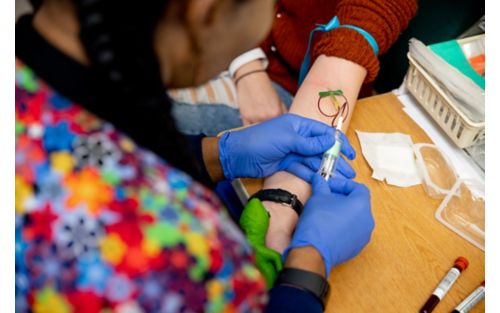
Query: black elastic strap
(311,282)
(280,196)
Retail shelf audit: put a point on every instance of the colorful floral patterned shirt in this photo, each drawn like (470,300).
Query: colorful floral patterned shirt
(105,226)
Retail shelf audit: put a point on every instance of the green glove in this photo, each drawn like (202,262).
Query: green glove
(254,221)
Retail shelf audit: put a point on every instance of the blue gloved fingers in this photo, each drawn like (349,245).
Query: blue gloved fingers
(313,162)
(344,168)
(347,149)
(307,169)
(334,185)
(302,167)
(307,127)
(341,185)
(364,191)
(312,145)
(300,170)
(320,185)
(361,190)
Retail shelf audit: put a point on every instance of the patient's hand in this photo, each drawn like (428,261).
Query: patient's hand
(257,98)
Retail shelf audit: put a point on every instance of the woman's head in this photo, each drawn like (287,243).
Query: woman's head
(135,49)
(193,40)
(203,36)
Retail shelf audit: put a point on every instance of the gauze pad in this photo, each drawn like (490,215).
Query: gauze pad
(391,157)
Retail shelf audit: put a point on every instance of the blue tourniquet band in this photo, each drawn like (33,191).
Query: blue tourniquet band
(333,24)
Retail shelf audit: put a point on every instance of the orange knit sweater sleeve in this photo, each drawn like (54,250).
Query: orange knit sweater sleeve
(383,19)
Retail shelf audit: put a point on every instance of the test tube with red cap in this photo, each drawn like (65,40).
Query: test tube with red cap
(460,265)
(469,302)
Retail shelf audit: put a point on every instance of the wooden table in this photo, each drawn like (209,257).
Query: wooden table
(410,251)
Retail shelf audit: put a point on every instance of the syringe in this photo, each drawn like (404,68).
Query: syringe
(332,155)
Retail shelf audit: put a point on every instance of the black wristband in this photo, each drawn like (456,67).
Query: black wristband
(311,282)
(237,80)
(280,196)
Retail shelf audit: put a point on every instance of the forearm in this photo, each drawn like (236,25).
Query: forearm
(210,152)
(327,73)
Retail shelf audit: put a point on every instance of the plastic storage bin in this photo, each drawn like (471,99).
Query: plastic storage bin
(455,123)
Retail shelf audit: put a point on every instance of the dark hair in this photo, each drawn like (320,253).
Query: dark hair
(118,39)
(36,4)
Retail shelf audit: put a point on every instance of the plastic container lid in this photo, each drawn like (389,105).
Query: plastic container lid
(437,172)
(463,211)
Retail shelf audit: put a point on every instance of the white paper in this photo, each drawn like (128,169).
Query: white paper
(390,155)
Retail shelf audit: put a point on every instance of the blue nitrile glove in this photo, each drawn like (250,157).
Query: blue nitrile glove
(277,144)
(338,225)
(307,167)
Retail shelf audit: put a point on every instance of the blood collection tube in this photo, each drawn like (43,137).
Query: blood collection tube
(469,302)
(445,284)
(332,155)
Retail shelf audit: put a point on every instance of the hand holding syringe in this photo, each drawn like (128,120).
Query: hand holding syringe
(332,155)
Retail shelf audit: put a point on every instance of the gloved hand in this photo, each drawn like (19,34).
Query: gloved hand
(338,225)
(254,222)
(277,144)
(307,167)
